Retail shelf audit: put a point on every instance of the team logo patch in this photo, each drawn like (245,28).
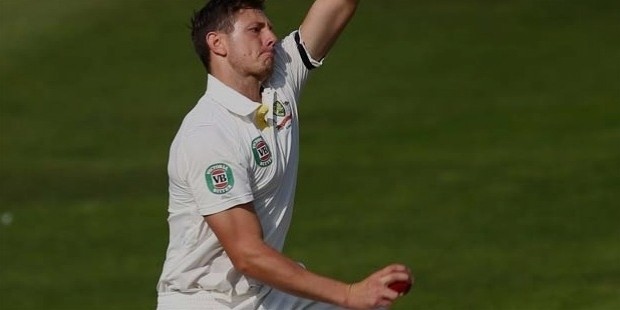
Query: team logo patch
(219,178)
(261,151)
(283,114)
(278,109)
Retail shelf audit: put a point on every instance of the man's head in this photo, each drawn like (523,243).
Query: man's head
(235,30)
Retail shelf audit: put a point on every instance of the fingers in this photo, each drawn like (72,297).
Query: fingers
(394,277)
(390,295)
(394,268)
(391,274)
(394,272)
(374,291)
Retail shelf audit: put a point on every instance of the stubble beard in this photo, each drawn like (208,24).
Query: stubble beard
(259,68)
(265,71)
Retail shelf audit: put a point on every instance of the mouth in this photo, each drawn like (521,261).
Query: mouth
(270,54)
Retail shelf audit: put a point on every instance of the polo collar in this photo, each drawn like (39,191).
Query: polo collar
(230,98)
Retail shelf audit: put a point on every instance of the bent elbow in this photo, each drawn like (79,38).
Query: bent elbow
(242,265)
(246,260)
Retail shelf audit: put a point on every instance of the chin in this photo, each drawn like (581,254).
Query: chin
(265,74)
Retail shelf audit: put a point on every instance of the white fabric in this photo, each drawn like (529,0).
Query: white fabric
(220,159)
(277,300)
(203,300)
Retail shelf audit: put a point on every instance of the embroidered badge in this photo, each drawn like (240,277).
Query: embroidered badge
(261,151)
(283,114)
(219,178)
(278,109)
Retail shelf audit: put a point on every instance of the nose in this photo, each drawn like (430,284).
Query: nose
(271,38)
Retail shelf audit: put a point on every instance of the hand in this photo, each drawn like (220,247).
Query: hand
(373,292)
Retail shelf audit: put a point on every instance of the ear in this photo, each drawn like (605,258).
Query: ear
(216,43)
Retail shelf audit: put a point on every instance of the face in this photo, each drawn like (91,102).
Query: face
(251,44)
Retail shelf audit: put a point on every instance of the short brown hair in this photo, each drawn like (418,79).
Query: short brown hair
(217,15)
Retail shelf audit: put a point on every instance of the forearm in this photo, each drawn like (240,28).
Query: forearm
(274,269)
(323,24)
(240,233)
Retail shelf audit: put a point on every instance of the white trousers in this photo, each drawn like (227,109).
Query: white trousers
(203,300)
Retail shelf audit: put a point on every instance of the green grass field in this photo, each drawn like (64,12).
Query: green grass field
(476,141)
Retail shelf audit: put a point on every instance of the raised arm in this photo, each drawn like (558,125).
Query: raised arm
(323,24)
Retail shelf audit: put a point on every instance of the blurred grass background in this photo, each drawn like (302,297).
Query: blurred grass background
(476,141)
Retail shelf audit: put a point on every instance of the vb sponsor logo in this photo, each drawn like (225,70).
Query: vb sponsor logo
(219,178)
(261,151)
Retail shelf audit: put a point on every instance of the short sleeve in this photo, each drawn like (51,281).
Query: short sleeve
(217,172)
(292,64)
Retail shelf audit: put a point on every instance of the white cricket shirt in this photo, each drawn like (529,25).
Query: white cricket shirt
(220,159)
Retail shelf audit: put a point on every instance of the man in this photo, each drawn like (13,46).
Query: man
(233,169)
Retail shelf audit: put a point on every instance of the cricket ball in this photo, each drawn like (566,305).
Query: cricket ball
(402,287)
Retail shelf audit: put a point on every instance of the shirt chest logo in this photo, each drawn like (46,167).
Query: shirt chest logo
(219,178)
(261,152)
(283,114)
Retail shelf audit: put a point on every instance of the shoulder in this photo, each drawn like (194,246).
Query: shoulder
(292,65)
(291,49)
(208,125)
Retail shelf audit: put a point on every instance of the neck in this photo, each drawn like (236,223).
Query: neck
(248,86)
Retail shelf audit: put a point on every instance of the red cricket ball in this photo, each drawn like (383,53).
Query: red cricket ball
(401,287)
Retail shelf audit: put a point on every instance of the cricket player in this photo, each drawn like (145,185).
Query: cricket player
(233,168)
